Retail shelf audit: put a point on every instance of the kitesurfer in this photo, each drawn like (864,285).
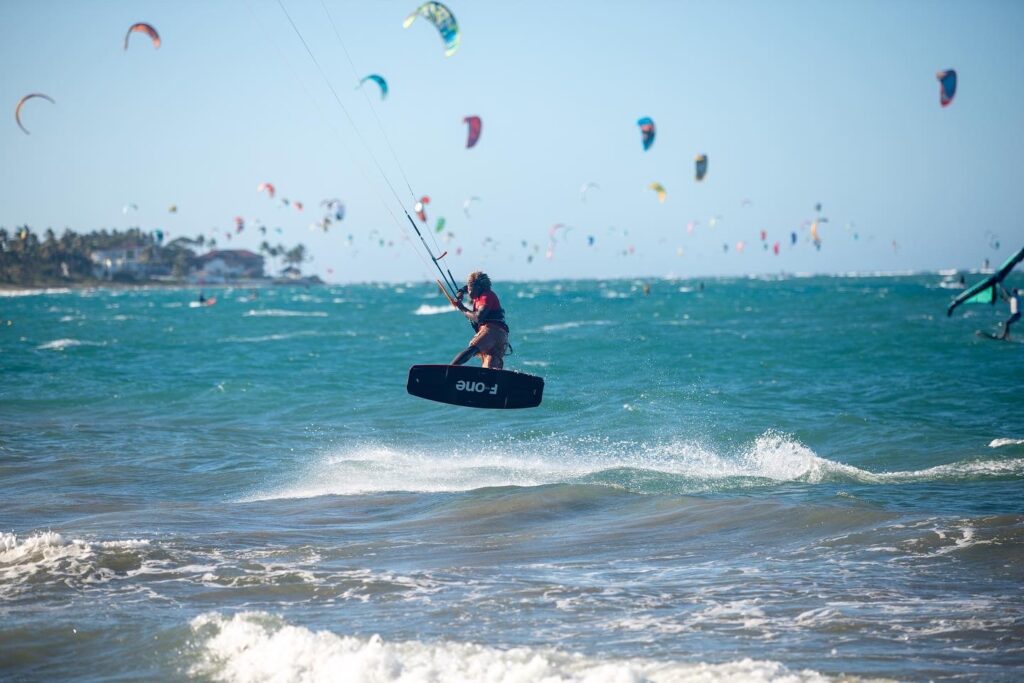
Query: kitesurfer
(488,319)
(1013,298)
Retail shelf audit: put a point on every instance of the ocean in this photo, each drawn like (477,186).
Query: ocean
(729,479)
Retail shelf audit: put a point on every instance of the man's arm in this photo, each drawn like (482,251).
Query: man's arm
(471,316)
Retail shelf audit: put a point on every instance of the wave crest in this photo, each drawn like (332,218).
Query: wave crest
(677,467)
(428,309)
(48,556)
(256,646)
(62,344)
(282,313)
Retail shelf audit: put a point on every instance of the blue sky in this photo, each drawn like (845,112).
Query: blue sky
(794,103)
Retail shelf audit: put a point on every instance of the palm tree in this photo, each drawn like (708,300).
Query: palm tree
(295,256)
(266,249)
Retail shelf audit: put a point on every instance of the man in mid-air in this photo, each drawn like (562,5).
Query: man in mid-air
(488,318)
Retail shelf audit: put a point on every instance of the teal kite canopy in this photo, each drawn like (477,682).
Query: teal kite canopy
(646,131)
(379,80)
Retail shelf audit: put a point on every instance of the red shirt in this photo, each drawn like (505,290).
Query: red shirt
(488,301)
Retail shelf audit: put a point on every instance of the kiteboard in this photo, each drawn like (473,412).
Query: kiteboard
(473,387)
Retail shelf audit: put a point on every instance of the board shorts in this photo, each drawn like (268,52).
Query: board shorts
(491,342)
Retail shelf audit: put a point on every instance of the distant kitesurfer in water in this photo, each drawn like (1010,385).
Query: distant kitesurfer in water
(488,318)
(1013,298)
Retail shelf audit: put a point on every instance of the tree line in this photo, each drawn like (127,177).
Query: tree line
(30,259)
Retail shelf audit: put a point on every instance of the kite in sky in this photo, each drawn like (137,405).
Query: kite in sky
(473,134)
(660,189)
(646,132)
(142,28)
(379,80)
(701,166)
(467,202)
(336,206)
(947,86)
(443,19)
(21,103)
(586,187)
(421,208)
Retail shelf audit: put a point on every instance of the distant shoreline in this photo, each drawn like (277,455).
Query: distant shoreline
(107,284)
(316,281)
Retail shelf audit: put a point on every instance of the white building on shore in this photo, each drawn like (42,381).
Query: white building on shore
(226,265)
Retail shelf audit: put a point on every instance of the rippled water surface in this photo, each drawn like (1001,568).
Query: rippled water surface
(734,480)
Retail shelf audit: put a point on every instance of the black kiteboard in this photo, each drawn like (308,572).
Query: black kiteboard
(473,387)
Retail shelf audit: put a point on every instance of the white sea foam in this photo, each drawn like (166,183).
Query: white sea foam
(999,443)
(778,457)
(48,557)
(941,541)
(375,469)
(954,471)
(256,646)
(772,457)
(62,344)
(282,313)
(270,337)
(72,561)
(573,324)
(427,309)
(747,614)
(816,617)
(10,293)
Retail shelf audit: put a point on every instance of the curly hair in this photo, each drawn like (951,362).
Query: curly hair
(480,279)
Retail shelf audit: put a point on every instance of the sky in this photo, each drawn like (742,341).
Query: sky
(795,104)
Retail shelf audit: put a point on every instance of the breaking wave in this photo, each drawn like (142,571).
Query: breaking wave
(11,293)
(62,344)
(256,646)
(674,467)
(49,557)
(283,313)
(427,309)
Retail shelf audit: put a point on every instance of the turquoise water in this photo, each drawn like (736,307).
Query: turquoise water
(763,479)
